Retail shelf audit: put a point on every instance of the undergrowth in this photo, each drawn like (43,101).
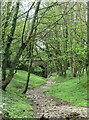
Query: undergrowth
(70,89)
(15,104)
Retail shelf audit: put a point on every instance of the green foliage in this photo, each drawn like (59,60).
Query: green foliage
(21,77)
(64,36)
(38,69)
(69,89)
(15,104)
(36,81)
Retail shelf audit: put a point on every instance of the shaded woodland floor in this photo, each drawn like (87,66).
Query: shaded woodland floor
(47,107)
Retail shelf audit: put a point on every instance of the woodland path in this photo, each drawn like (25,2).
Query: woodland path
(51,108)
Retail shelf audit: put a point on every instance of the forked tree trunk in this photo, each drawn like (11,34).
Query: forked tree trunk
(13,66)
(8,43)
(19,53)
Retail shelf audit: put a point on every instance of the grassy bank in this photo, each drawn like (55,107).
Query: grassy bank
(70,89)
(15,104)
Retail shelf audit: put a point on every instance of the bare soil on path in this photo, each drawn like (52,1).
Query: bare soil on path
(46,107)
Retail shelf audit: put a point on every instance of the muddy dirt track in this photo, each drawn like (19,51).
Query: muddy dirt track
(46,107)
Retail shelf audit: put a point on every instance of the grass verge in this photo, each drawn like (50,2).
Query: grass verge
(70,89)
(15,104)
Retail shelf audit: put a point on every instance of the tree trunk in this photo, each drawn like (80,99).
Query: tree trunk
(29,68)
(19,53)
(28,78)
(88,41)
(8,4)
(74,72)
(65,46)
(8,43)
(57,68)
